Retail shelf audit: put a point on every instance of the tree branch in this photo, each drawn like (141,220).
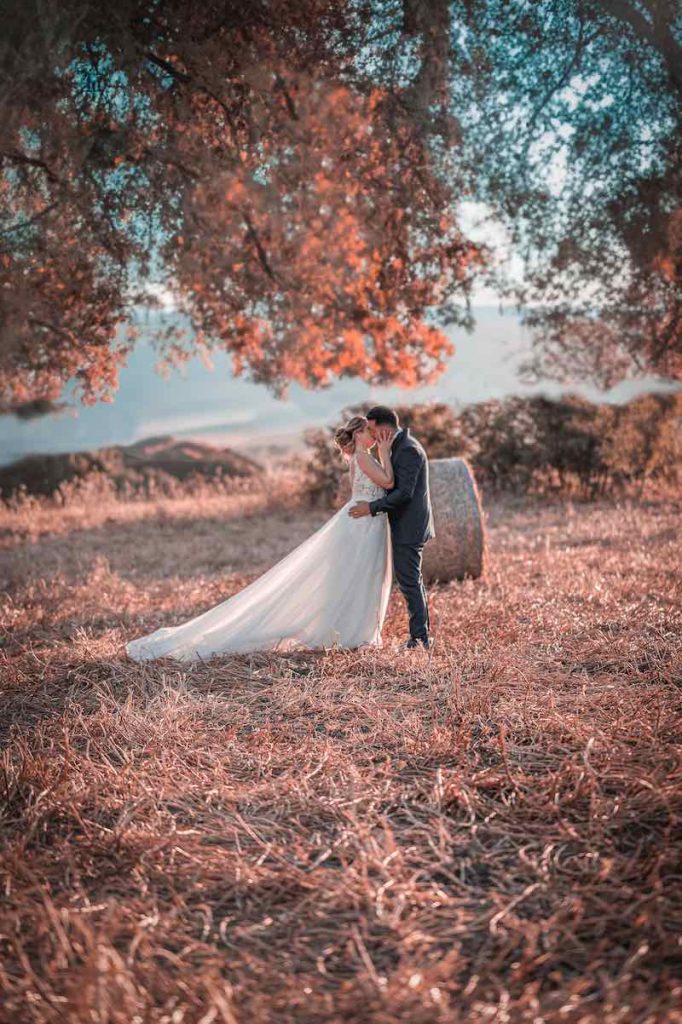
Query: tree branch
(170,69)
(26,223)
(21,158)
(187,172)
(281,84)
(656,34)
(186,79)
(582,42)
(49,326)
(262,255)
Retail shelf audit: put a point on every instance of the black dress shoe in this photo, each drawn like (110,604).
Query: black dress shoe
(412,644)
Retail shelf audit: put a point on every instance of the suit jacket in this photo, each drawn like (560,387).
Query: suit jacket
(408,503)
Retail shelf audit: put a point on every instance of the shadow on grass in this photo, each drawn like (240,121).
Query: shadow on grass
(148,550)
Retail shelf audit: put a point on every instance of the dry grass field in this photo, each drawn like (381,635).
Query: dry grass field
(489,833)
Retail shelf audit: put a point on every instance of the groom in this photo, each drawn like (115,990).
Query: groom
(408,507)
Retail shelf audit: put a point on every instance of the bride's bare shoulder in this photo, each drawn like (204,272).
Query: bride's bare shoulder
(366,461)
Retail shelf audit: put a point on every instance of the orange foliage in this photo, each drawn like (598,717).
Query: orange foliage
(306,226)
(344,278)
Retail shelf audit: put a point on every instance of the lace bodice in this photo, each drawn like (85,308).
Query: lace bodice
(364,488)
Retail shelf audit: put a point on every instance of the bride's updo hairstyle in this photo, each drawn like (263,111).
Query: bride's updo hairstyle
(344,437)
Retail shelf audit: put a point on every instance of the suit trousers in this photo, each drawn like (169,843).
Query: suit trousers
(407,565)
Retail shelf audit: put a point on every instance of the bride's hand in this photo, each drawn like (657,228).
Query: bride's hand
(384,446)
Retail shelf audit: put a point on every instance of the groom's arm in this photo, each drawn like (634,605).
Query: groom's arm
(408,471)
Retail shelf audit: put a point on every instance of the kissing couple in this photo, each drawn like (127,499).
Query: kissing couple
(333,589)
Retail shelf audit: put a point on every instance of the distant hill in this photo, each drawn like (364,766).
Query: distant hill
(146,459)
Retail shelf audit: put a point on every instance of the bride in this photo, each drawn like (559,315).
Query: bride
(331,590)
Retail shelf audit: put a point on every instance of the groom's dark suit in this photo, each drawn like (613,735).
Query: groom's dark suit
(408,506)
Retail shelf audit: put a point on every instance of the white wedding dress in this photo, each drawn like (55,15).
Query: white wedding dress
(333,589)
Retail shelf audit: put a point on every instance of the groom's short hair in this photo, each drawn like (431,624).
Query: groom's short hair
(383,416)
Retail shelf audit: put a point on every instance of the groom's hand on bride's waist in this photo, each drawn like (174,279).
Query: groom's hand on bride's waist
(361,508)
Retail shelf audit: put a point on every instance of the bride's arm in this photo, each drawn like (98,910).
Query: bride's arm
(378,474)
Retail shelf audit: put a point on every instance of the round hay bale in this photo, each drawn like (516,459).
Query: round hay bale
(457,550)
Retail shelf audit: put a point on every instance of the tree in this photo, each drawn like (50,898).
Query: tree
(296,169)
(571,114)
(305,218)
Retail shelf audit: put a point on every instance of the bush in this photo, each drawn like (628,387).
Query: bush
(646,441)
(532,445)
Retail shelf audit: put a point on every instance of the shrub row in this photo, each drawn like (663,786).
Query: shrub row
(534,445)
